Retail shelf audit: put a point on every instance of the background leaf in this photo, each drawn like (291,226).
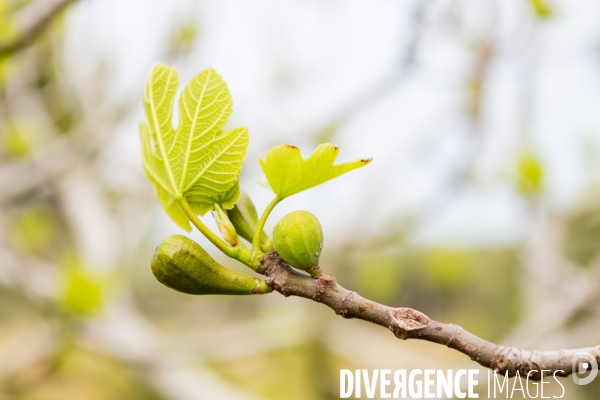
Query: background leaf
(197,160)
(288,173)
(530,174)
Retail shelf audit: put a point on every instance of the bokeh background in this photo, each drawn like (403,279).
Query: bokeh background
(481,207)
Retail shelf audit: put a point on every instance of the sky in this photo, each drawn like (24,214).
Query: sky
(381,79)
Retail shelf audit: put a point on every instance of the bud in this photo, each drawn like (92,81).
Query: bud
(244,218)
(225,226)
(298,238)
(183,265)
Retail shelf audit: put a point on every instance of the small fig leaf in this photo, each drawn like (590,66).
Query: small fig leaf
(197,160)
(288,173)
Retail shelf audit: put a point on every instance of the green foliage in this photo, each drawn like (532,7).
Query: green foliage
(288,173)
(82,293)
(195,168)
(379,279)
(582,236)
(542,8)
(479,287)
(197,161)
(183,265)
(34,228)
(530,174)
(7,34)
(305,371)
(17,138)
(447,267)
(184,36)
(83,373)
(298,238)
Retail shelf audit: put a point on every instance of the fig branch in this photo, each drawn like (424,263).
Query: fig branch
(407,323)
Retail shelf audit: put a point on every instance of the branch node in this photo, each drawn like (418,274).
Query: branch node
(323,281)
(530,365)
(268,262)
(503,361)
(403,321)
(343,310)
(276,271)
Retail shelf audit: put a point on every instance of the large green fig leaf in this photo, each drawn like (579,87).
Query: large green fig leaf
(288,173)
(197,160)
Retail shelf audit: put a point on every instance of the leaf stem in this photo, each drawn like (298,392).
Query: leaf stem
(240,253)
(261,223)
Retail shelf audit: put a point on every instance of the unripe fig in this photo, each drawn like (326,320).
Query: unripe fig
(183,265)
(244,218)
(298,238)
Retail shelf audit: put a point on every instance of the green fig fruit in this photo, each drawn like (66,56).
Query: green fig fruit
(298,238)
(244,218)
(181,264)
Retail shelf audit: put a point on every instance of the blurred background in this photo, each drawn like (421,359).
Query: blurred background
(481,207)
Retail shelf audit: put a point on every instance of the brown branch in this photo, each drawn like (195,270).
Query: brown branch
(34,30)
(407,323)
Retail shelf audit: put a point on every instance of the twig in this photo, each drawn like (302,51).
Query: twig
(34,30)
(407,323)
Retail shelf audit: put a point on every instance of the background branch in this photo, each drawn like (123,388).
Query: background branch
(35,29)
(407,323)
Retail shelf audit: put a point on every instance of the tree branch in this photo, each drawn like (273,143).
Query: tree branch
(34,30)
(407,323)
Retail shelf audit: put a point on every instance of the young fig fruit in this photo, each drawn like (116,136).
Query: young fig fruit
(183,265)
(244,218)
(298,238)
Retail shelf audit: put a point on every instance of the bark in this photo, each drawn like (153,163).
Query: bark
(407,323)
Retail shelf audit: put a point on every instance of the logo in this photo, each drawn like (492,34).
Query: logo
(585,368)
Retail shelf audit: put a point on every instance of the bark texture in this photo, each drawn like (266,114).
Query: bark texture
(407,323)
